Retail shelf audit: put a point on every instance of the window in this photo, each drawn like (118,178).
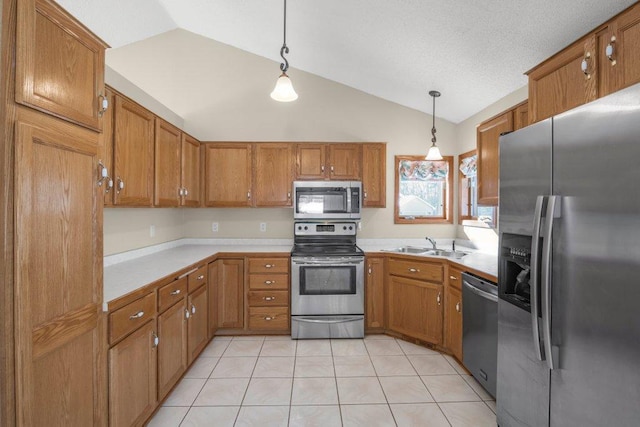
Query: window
(423,190)
(469,211)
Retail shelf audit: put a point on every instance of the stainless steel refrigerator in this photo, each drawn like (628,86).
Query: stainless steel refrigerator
(569,268)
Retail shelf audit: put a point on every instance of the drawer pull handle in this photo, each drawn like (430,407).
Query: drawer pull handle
(269,318)
(584,65)
(269,282)
(156,340)
(200,277)
(458,307)
(269,298)
(610,50)
(453,278)
(187,314)
(137,315)
(414,270)
(269,265)
(193,309)
(176,292)
(438,298)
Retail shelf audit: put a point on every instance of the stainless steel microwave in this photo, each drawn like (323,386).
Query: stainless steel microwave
(327,199)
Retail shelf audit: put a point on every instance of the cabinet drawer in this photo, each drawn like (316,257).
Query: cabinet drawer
(130,317)
(268,265)
(169,294)
(268,318)
(269,281)
(197,278)
(455,278)
(421,270)
(268,298)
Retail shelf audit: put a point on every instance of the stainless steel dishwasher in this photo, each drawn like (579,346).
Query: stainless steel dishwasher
(480,330)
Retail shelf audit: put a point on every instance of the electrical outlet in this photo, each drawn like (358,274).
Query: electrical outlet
(263,226)
(214,227)
(152,230)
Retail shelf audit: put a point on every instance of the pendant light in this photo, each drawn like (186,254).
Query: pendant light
(434,151)
(283,91)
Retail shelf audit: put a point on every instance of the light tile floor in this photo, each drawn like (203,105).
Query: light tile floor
(276,381)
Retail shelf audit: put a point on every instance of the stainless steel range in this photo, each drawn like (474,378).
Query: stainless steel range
(327,281)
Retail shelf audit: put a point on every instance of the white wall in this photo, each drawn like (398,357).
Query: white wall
(222,94)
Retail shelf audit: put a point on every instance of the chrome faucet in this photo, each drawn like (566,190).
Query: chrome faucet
(433,242)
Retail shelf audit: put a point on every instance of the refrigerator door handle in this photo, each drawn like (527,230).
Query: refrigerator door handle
(553,211)
(535,277)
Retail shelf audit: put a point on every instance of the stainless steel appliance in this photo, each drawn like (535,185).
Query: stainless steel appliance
(568,318)
(327,281)
(327,199)
(480,329)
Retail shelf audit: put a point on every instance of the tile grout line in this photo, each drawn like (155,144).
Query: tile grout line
(244,396)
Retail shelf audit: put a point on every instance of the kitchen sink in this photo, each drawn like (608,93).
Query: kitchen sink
(427,251)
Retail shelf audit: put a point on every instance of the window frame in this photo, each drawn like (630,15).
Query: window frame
(447,199)
(462,190)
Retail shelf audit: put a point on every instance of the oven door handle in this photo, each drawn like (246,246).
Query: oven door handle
(327,262)
(340,320)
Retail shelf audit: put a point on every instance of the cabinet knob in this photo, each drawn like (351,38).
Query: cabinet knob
(186,192)
(138,315)
(331,169)
(193,309)
(156,339)
(249,195)
(200,277)
(453,278)
(289,195)
(269,318)
(414,270)
(610,50)
(176,292)
(584,65)
(438,298)
(458,306)
(322,168)
(365,195)
(269,298)
(187,314)
(269,282)
(269,265)
(370,270)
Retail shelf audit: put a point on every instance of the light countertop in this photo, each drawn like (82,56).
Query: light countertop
(125,273)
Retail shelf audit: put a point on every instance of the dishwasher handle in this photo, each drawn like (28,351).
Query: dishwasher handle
(480,292)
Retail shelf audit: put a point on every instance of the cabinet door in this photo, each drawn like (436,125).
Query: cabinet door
(197,324)
(273,174)
(105,147)
(627,46)
(344,161)
(374,175)
(311,161)
(521,115)
(559,84)
(172,348)
(213,297)
(133,154)
(168,140)
(59,324)
(132,379)
(231,293)
(59,64)
(416,308)
(488,134)
(190,171)
(227,175)
(374,292)
(453,321)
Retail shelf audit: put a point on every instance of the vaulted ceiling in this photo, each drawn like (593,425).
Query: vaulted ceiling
(473,52)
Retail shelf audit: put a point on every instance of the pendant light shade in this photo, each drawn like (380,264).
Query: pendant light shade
(434,151)
(283,92)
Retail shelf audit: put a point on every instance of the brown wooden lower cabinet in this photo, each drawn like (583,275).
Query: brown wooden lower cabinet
(172,347)
(453,320)
(197,323)
(132,378)
(230,293)
(374,293)
(212,295)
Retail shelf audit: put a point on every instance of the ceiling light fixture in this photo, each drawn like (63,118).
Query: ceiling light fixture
(283,91)
(434,151)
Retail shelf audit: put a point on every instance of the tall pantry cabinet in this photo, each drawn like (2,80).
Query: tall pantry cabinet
(52,218)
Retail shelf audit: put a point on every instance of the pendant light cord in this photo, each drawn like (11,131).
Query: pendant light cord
(433,128)
(284,66)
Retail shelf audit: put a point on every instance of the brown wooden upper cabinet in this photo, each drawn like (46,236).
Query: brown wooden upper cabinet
(168,144)
(105,148)
(273,174)
(603,61)
(227,175)
(521,115)
(328,161)
(133,154)
(374,177)
(59,64)
(190,172)
(488,134)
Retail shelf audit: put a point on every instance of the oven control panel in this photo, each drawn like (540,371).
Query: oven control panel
(325,228)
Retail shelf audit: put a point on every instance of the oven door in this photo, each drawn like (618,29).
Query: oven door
(327,285)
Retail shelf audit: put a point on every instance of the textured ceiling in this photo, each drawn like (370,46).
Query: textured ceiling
(474,52)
